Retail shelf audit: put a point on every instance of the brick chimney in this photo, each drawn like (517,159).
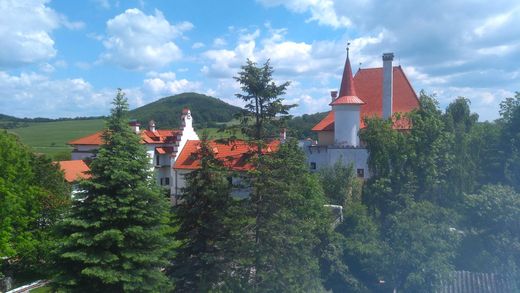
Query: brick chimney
(135,126)
(388,82)
(333,95)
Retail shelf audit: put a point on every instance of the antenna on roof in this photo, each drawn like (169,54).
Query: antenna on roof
(348,44)
(360,65)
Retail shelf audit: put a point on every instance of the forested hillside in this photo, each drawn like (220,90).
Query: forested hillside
(206,111)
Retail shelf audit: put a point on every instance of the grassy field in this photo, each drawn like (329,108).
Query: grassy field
(51,138)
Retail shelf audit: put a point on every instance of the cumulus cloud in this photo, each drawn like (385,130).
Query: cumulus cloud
(166,83)
(447,43)
(33,95)
(138,41)
(25,31)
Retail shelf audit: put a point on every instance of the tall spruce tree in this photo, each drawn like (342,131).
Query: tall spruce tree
(285,206)
(115,238)
(203,217)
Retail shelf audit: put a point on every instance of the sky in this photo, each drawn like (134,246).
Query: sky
(65,58)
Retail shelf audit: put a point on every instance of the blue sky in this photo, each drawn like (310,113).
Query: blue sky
(67,58)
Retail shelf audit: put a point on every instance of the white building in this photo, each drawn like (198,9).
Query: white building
(371,92)
(162,145)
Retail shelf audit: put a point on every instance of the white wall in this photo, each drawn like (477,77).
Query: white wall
(328,155)
(346,125)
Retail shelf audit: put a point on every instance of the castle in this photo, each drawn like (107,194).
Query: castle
(372,92)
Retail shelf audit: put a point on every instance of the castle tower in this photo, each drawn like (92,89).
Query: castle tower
(346,110)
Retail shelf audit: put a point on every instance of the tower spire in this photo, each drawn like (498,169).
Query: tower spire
(347,81)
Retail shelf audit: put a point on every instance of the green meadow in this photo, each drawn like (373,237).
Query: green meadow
(51,138)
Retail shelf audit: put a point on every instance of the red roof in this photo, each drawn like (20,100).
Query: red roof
(74,170)
(369,87)
(149,137)
(347,100)
(234,154)
(347,87)
(164,150)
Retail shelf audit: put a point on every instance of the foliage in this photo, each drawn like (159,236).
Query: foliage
(510,118)
(350,260)
(419,247)
(203,217)
(460,122)
(206,111)
(289,217)
(493,228)
(300,127)
(340,184)
(264,108)
(33,194)
(115,238)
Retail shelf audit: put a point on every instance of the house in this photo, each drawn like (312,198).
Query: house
(74,171)
(372,92)
(162,146)
(234,154)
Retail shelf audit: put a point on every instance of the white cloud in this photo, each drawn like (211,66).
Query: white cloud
(197,45)
(139,41)
(219,42)
(25,32)
(33,95)
(166,83)
(321,11)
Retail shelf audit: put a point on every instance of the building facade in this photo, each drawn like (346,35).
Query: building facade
(372,92)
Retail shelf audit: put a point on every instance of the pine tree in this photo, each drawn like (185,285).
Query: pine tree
(115,238)
(203,217)
(290,218)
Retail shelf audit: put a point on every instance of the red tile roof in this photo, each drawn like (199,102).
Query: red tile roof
(369,87)
(74,170)
(164,150)
(347,100)
(149,137)
(234,154)
(347,87)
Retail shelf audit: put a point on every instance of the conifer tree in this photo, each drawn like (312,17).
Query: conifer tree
(203,218)
(115,238)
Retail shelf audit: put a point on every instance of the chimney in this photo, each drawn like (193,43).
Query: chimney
(388,82)
(135,126)
(151,125)
(283,134)
(333,95)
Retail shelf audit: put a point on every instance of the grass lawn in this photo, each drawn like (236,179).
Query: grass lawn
(51,138)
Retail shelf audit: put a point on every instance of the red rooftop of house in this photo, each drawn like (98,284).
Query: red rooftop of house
(74,170)
(234,154)
(368,85)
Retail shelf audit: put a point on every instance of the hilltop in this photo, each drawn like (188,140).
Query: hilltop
(207,111)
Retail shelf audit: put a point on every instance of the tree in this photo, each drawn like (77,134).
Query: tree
(264,108)
(115,237)
(419,247)
(340,184)
(460,121)
(203,217)
(510,119)
(288,221)
(492,242)
(33,194)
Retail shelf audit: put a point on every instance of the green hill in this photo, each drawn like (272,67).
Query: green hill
(206,111)
(300,126)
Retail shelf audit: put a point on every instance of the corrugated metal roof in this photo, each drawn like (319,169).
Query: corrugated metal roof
(471,282)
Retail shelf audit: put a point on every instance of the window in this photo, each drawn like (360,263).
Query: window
(162,181)
(313,166)
(157,160)
(167,181)
(361,173)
